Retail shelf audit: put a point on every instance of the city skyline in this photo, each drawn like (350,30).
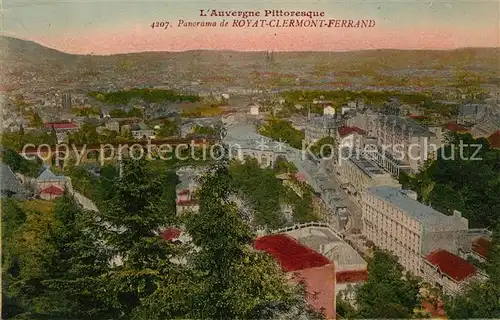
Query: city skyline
(115,27)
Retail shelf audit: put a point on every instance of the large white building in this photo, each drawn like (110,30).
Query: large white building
(243,142)
(407,140)
(394,220)
(358,173)
(401,143)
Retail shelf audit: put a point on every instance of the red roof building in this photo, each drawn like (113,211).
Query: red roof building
(481,246)
(62,125)
(351,276)
(171,234)
(304,264)
(345,131)
(300,177)
(51,192)
(494,140)
(453,266)
(454,127)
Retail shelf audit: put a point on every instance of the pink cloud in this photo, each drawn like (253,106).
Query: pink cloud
(140,38)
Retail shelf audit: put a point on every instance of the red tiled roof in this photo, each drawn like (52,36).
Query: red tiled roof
(183,192)
(186,202)
(61,125)
(171,234)
(481,246)
(451,265)
(351,276)
(300,177)
(52,190)
(494,140)
(345,131)
(431,309)
(454,127)
(291,255)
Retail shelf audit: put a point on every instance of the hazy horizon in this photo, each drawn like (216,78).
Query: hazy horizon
(247,51)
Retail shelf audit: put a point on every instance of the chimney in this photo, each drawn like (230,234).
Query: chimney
(457,214)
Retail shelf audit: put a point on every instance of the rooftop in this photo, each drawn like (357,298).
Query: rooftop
(481,246)
(455,267)
(48,175)
(494,140)
(345,131)
(334,249)
(427,216)
(291,255)
(367,166)
(52,190)
(406,124)
(8,179)
(171,234)
(61,125)
(454,127)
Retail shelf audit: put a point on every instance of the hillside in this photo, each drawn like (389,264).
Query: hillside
(23,59)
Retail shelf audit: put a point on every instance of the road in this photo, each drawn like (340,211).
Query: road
(315,173)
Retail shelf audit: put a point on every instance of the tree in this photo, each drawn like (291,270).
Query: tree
(20,164)
(480,299)
(54,266)
(36,121)
(387,293)
(168,129)
(146,283)
(13,217)
(233,280)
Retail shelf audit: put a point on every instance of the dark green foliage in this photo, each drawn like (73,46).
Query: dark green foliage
(325,147)
(17,140)
(199,130)
(136,212)
(18,163)
(87,134)
(12,217)
(82,181)
(59,273)
(233,280)
(460,183)
(277,129)
(120,113)
(58,266)
(283,166)
(147,95)
(168,129)
(386,293)
(262,190)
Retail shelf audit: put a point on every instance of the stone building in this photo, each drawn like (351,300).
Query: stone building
(394,220)
(358,173)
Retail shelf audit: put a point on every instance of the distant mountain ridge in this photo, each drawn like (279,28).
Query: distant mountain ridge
(15,44)
(24,61)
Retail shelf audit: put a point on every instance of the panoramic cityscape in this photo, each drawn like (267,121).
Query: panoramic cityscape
(254,161)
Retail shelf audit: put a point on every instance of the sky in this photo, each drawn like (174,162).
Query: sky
(115,26)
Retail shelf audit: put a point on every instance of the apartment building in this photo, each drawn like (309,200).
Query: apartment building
(407,140)
(448,271)
(394,220)
(317,128)
(358,173)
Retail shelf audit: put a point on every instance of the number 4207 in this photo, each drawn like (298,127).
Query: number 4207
(162,24)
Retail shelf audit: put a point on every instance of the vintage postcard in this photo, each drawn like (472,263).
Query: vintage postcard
(241,159)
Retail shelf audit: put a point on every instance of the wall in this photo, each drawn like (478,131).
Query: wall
(452,241)
(320,287)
